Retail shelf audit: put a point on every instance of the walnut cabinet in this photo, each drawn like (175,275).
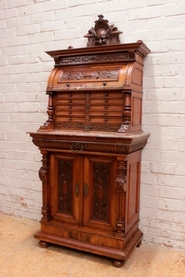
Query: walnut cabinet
(91,146)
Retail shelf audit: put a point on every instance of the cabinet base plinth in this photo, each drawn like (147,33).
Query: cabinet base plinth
(118,256)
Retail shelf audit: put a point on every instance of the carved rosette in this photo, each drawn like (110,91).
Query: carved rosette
(121,186)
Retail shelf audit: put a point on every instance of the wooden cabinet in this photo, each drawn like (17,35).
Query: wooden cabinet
(91,146)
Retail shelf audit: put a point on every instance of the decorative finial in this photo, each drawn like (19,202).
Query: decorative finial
(102,33)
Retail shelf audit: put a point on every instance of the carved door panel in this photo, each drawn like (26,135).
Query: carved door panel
(65,178)
(99,192)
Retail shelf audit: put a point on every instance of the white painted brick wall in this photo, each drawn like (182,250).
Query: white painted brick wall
(28,28)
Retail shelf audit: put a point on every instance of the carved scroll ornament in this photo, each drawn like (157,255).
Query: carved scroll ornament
(102,33)
(43,174)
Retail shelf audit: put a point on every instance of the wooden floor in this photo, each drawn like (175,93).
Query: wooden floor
(21,256)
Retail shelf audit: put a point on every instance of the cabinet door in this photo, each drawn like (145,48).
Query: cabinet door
(99,192)
(65,178)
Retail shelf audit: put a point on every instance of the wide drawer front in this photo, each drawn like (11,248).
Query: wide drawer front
(86,142)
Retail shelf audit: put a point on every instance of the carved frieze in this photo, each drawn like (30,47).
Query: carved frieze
(89,75)
(80,146)
(95,58)
(98,127)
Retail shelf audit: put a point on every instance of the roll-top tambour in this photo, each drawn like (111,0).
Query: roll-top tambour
(91,78)
(97,88)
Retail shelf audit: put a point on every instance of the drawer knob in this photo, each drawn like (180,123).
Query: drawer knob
(77,189)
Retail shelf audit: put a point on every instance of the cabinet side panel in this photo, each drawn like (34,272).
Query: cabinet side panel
(133,190)
(136,111)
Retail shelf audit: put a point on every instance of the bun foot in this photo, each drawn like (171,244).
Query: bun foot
(43,244)
(118,263)
(139,243)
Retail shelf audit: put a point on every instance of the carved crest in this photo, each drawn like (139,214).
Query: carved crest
(102,33)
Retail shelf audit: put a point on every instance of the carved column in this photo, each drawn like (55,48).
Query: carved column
(50,109)
(43,175)
(121,183)
(49,124)
(126,111)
